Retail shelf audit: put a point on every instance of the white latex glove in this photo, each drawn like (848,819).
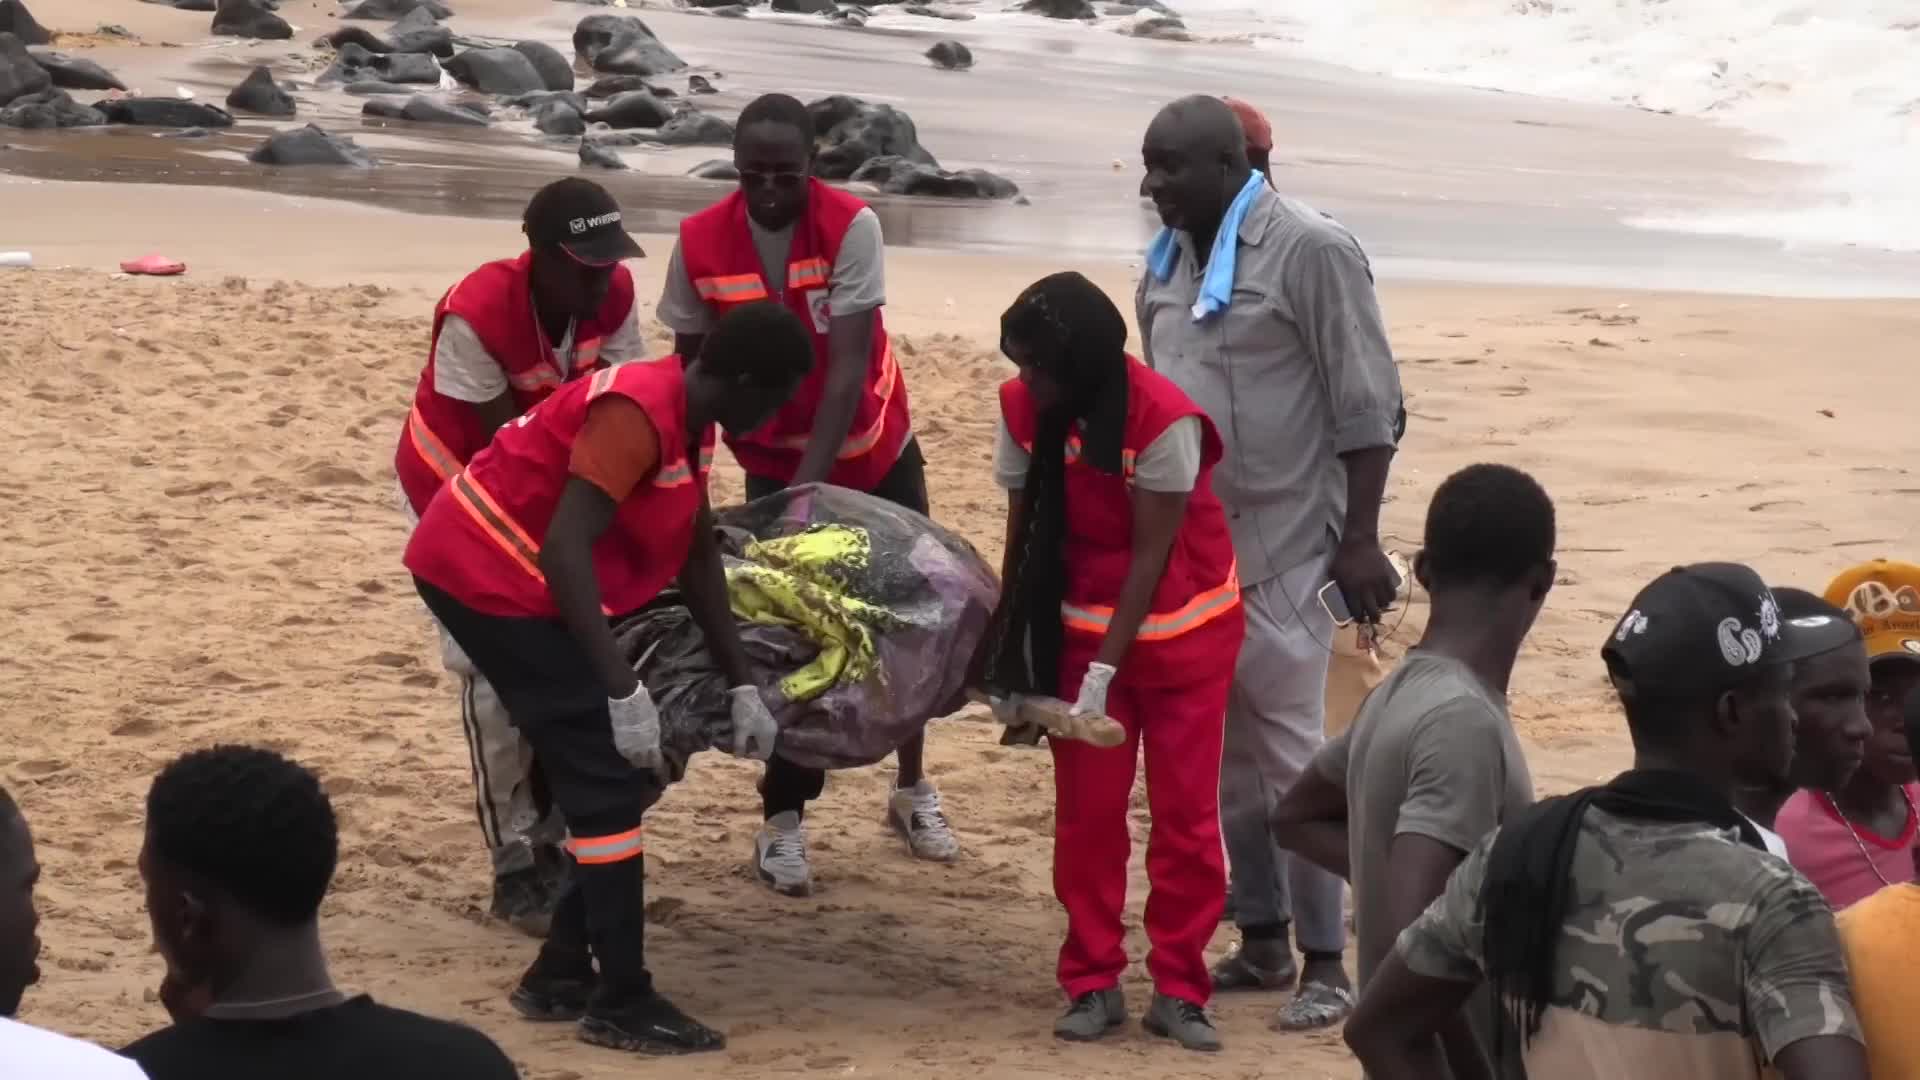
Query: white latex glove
(753,727)
(636,730)
(1093,691)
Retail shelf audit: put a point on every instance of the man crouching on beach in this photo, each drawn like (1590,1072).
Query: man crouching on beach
(1262,310)
(504,339)
(817,250)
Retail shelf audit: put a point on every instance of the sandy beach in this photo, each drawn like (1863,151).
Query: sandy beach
(204,549)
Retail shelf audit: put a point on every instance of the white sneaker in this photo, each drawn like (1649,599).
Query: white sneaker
(916,815)
(780,855)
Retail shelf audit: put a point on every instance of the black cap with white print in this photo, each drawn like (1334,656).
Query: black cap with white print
(1698,630)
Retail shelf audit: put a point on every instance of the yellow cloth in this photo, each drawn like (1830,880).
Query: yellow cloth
(800,581)
(1881,935)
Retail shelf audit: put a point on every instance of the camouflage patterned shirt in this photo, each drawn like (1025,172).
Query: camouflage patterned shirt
(1684,953)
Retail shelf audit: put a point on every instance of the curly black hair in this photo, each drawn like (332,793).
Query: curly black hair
(1487,525)
(250,821)
(777,109)
(763,342)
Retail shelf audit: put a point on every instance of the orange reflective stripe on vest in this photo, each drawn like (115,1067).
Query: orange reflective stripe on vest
(429,447)
(596,850)
(534,379)
(808,273)
(860,442)
(499,527)
(731,288)
(1195,613)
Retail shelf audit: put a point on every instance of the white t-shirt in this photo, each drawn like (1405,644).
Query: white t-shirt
(464,370)
(30,1053)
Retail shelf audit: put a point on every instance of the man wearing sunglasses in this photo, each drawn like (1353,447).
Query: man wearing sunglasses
(786,236)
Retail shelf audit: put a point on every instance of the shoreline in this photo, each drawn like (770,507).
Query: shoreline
(1439,183)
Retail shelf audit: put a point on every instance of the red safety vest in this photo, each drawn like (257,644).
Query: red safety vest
(1195,623)
(480,538)
(442,434)
(716,246)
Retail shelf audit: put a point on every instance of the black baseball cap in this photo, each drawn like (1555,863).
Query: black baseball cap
(1814,626)
(579,217)
(1699,630)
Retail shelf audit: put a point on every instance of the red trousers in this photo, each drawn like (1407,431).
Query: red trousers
(1180,728)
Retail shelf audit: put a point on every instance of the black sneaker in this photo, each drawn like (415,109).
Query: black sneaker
(525,901)
(1091,1016)
(550,999)
(648,1025)
(1183,1022)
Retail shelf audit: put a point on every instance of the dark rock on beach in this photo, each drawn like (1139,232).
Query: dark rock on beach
(950,55)
(421,109)
(1060,9)
(610,85)
(639,109)
(715,170)
(49,109)
(250,19)
(623,45)
(259,94)
(898,176)
(165,112)
(188,5)
(385,10)
(419,31)
(559,118)
(553,67)
(595,156)
(310,146)
(75,73)
(691,127)
(728,11)
(355,64)
(855,132)
(15,19)
(804,7)
(19,75)
(698,84)
(497,71)
(541,98)
(357,36)
(1162,27)
(928,12)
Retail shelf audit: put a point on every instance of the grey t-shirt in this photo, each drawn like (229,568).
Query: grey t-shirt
(1433,753)
(1169,464)
(859,281)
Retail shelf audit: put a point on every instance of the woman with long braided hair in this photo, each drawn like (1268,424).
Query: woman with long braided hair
(1119,595)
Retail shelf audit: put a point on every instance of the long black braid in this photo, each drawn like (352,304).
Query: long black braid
(1070,332)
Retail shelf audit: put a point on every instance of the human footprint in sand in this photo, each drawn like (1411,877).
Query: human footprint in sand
(788,237)
(1118,595)
(504,339)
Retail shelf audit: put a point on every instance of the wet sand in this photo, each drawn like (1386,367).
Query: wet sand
(1440,183)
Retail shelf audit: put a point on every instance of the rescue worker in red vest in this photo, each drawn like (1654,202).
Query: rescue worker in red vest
(578,513)
(818,251)
(504,339)
(1119,595)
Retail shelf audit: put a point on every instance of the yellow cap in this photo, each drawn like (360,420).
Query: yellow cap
(1884,599)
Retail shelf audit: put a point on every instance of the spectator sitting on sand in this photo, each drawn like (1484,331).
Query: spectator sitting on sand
(240,848)
(1639,928)
(28,1052)
(1854,839)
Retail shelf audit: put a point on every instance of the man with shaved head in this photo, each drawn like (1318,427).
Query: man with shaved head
(1262,309)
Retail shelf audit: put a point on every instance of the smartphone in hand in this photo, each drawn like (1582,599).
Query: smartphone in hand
(1335,602)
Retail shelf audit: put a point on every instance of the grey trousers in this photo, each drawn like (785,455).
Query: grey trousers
(501,760)
(1276,721)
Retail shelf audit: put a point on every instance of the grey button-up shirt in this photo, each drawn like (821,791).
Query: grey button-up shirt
(1296,372)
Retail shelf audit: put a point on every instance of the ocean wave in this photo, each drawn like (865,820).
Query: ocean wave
(1831,83)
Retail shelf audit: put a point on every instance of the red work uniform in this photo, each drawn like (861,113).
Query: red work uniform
(1170,693)
(442,434)
(716,247)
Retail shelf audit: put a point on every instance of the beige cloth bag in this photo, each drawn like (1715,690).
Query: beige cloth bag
(1352,673)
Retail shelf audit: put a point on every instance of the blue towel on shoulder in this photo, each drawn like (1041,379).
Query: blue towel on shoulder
(1216,281)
